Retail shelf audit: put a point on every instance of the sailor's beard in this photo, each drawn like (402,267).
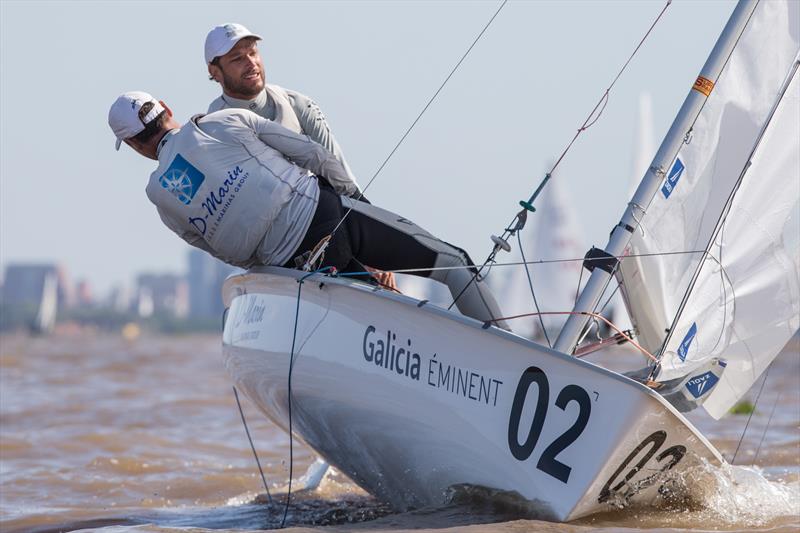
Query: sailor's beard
(245,89)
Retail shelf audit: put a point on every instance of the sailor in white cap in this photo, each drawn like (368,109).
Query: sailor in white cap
(246,190)
(233,60)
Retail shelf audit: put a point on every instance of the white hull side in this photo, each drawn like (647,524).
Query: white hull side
(408,437)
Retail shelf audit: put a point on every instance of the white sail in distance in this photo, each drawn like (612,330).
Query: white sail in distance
(644,150)
(553,234)
(732,191)
(644,145)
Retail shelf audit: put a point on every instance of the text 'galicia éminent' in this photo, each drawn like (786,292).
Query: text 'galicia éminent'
(387,353)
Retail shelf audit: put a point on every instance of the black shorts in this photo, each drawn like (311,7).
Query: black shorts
(361,240)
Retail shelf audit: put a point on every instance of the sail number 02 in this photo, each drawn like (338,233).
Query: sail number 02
(522,451)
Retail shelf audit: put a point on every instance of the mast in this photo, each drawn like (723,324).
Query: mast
(637,207)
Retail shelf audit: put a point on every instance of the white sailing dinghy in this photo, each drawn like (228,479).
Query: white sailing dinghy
(411,400)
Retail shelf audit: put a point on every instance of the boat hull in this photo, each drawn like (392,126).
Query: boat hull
(410,401)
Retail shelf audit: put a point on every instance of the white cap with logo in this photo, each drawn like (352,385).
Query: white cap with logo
(221,39)
(124,119)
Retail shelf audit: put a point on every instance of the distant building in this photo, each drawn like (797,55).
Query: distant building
(25,284)
(83,294)
(162,294)
(120,299)
(206,275)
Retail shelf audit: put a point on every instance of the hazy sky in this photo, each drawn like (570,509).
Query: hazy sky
(66,195)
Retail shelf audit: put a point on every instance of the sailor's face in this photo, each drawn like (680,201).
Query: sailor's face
(240,71)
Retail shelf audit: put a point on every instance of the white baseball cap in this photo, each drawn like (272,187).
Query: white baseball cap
(221,39)
(124,119)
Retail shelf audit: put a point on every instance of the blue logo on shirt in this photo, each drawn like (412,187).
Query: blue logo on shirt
(672,178)
(701,384)
(182,179)
(683,349)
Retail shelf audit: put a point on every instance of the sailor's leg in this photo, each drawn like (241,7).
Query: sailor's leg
(388,241)
(339,253)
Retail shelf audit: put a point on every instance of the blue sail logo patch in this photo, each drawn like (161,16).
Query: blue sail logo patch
(673,176)
(182,179)
(683,349)
(701,384)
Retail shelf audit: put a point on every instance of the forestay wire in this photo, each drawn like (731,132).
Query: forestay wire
(416,120)
(518,222)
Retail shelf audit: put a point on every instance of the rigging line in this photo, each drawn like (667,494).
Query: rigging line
(491,262)
(703,105)
(749,418)
(252,447)
(610,297)
(530,284)
(726,210)
(772,412)
(578,288)
(724,65)
(724,276)
(601,104)
(585,313)
(608,282)
(289,399)
(475,276)
(577,294)
(513,263)
(424,109)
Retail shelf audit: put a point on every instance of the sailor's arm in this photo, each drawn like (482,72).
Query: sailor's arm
(304,152)
(316,126)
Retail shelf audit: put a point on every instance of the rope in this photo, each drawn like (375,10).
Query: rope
(424,109)
(586,313)
(771,413)
(519,219)
(515,263)
(289,390)
(289,397)
(530,284)
(601,104)
(578,288)
(252,447)
(749,418)
(610,297)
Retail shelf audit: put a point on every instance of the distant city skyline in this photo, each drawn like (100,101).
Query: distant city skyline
(66,195)
(37,295)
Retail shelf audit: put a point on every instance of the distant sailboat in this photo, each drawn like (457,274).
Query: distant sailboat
(553,234)
(45,319)
(644,149)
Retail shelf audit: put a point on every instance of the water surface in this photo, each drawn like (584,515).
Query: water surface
(100,433)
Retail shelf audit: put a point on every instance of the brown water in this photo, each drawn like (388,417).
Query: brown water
(100,433)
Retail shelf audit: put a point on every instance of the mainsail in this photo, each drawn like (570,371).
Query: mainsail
(730,199)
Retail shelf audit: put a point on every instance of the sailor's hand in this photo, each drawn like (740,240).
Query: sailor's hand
(386,279)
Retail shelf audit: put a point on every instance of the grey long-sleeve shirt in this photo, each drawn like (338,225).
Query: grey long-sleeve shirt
(241,187)
(308,114)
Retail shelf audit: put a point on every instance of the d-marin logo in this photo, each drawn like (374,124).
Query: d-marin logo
(182,179)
